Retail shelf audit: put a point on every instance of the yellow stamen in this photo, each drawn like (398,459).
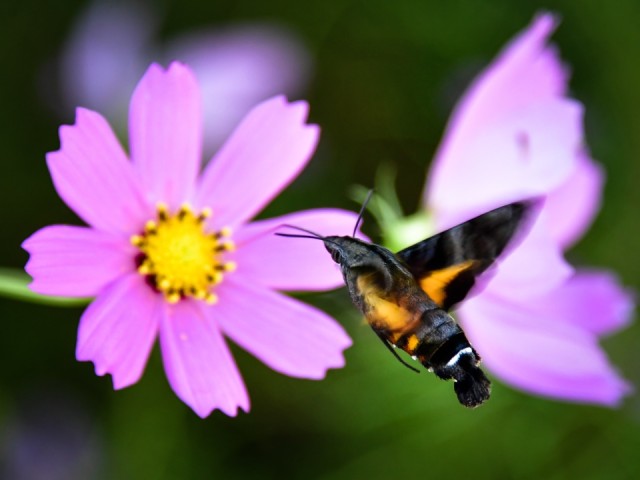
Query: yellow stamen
(211,298)
(230,266)
(227,245)
(179,257)
(144,269)
(204,214)
(225,232)
(136,240)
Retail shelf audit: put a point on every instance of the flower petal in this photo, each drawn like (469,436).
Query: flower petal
(571,208)
(525,72)
(292,263)
(287,335)
(118,329)
(592,300)
(527,154)
(238,67)
(165,130)
(263,155)
(512,136)
(534,266)
(198,363)
(92,175)
(76,261)
(541,354)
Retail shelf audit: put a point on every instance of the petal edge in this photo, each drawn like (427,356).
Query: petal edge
(262,156)
(75,261)
(118,329)
(198,363)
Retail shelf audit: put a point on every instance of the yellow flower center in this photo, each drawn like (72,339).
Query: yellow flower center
(179,258)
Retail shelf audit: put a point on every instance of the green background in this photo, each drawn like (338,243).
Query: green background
(387,74)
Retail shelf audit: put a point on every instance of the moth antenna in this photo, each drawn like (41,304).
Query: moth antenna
(395,354)
(310,232)
(361,214)
(295,235)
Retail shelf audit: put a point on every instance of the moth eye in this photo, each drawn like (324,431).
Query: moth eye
(336,256)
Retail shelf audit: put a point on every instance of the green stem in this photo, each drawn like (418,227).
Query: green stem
(14,285)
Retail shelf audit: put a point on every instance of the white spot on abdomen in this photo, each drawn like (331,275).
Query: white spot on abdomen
(456,357)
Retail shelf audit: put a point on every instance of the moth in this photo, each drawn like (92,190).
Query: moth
(406,296)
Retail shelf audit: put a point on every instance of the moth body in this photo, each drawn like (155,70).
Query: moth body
(403,315)
(406,296)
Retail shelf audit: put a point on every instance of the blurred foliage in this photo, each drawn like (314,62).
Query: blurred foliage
(386,77)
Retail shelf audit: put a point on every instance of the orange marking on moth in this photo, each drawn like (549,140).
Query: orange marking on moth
(412,343)
(383,313)
(435,282)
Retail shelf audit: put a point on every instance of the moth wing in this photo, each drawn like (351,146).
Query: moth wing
(446,265)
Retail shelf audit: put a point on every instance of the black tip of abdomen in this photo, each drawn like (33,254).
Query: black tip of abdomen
(472,387)
(471,384)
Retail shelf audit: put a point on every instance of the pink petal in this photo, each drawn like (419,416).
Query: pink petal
(512,136)
(118,329)
(76,261)
(287,335)
(526,71)
(540,352)
(93,176)
(198,363)
(238,67)
(292,263)
(571,208)
(165,129)
(263,155)
(534,266)
(527,154)
(592,300)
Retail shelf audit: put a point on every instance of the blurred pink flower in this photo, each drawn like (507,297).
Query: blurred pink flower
(172,254)
(514,135)
(237,66)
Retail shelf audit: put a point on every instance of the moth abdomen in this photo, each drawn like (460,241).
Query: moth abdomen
(471,384)
(433,332)
(457,360)
(445,351)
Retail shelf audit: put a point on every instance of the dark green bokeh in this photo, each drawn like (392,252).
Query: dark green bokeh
(386,77)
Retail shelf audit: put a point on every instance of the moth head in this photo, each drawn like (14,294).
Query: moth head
(335,251)
(359,258)
(351,252)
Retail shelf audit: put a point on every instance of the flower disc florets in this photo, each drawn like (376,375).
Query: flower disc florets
(179,257)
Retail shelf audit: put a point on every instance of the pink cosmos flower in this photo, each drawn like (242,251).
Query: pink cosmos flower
(516,135)
(237,66)
(171,254)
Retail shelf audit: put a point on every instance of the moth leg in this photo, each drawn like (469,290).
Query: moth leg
(392,350)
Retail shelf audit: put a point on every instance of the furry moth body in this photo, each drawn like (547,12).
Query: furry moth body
(406,296)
